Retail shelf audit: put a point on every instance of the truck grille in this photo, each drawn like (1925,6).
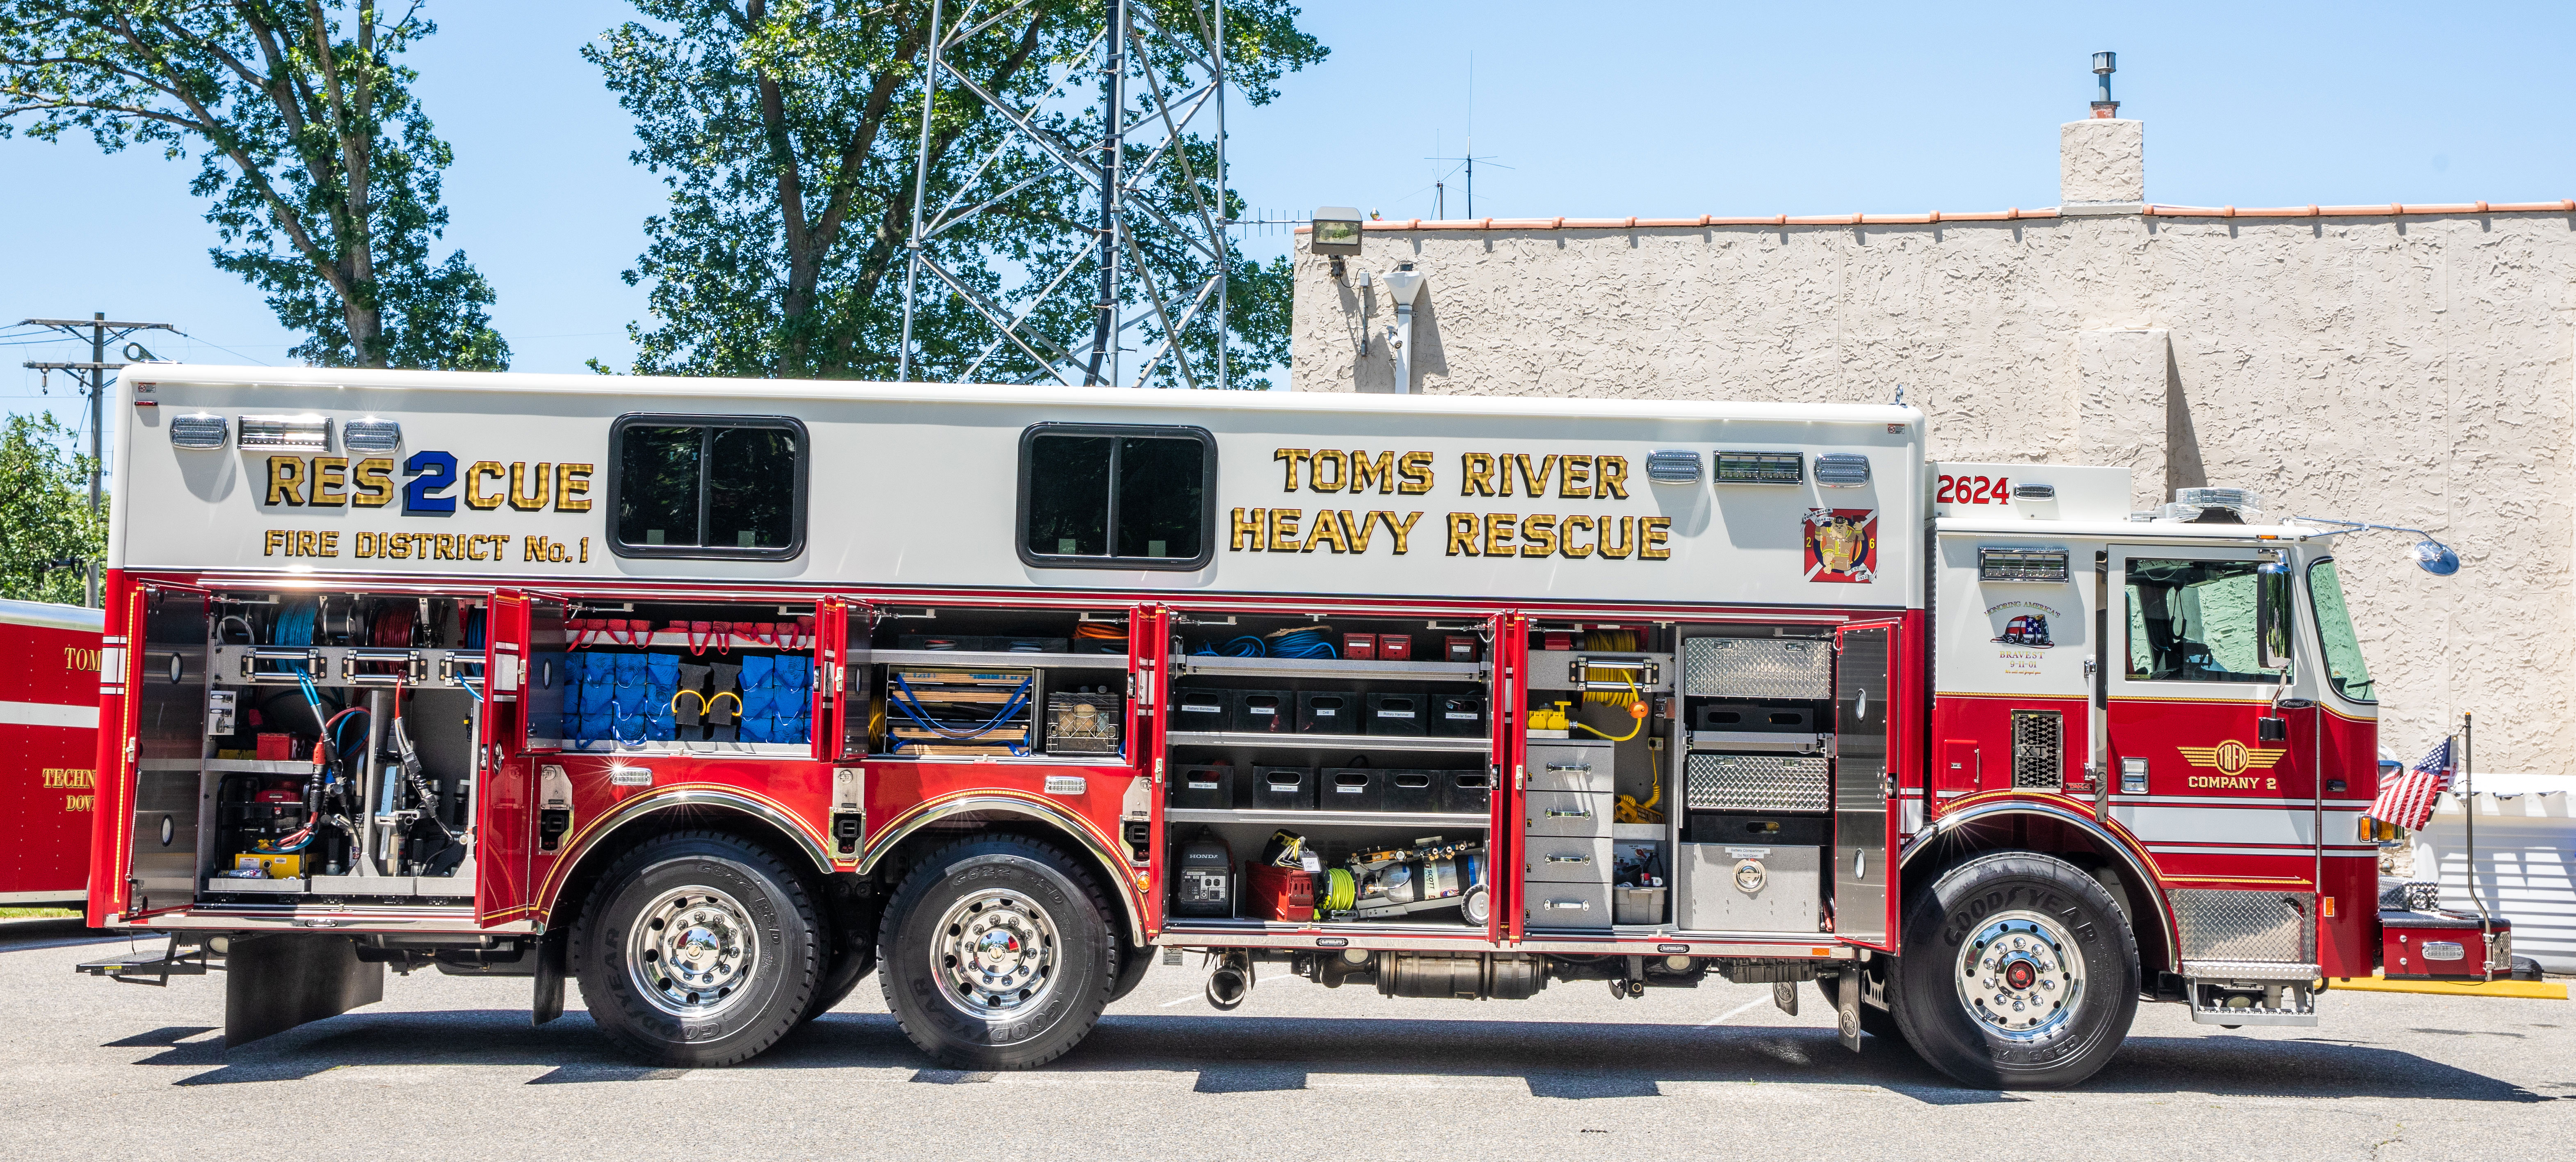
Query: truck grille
(2039,749)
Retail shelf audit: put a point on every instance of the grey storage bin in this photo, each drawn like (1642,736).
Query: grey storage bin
(1637,905)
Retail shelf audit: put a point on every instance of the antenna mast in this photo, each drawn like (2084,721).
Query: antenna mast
(1159,66)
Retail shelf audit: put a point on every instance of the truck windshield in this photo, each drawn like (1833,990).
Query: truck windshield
(2193,621)
(2344,665)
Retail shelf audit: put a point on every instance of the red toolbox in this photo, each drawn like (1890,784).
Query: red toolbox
(1278,893)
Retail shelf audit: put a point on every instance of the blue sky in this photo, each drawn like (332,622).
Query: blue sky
(1600,110)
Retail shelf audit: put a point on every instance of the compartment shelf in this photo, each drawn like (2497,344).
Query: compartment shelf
(1385,742)
(228,766)
(972,659)
(1325,818)
(1213,666)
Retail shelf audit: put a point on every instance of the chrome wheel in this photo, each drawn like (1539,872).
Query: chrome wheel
(995,954)
(2020,975)
(691,952)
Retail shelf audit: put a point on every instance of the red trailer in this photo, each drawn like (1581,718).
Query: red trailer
(48,744)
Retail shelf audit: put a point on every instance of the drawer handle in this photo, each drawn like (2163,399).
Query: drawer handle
(1567,859)
(1574,813)
(1586,768)
(1569,905)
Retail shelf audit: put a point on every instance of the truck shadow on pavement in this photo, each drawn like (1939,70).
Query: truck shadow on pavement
(1570,1060)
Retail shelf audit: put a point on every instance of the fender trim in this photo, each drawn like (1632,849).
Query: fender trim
(2137,864)
(1043,812)
(661,799)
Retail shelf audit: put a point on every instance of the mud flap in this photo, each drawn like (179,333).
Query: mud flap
(1784,993)
(1847,1007)
(275,983)
(550,978)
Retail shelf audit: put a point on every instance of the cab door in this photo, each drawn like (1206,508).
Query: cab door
(1867,769)
(524,814)
(2211,747)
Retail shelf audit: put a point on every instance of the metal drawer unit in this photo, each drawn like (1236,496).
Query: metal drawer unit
(1582,814)
(1555,905)
(1733,887)
(1757,782)
(1562,859)
(1570,766)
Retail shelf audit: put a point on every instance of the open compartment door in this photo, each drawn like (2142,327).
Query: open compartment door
(840,711)
(524,807)
(1148,640)
(1507,652)
(154,745)
(1864,762)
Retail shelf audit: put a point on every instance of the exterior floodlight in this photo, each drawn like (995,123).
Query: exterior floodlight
(1336,231)
(2436,557)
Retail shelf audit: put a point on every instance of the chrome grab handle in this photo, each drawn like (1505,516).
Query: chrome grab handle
(1567,859)
(1586,768)
(1569,905)
(1577,813)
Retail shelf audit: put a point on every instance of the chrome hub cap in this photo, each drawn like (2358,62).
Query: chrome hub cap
(692,951)
(995,954)
(2020,975)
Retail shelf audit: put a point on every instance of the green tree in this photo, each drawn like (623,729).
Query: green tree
(321,168)
(787,129)
(47,535)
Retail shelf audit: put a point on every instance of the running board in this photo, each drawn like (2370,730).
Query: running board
(2251,994)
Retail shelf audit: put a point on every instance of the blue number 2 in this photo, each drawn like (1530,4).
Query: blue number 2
(430,472)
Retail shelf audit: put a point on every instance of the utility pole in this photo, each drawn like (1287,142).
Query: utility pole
(1113,98)
(94,381)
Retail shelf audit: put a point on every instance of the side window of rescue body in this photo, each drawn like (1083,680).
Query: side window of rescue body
(1116,496)
(707,486)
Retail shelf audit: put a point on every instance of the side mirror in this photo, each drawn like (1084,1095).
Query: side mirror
(2272,619)
(2436,558)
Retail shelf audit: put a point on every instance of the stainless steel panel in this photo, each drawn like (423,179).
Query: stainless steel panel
(2245,927)
(1567,813)
(1757,667)
(1784,895)
(166,811)
(1571,766)
(1757,782)
(1566,859)
(1862,867)
(1563,905)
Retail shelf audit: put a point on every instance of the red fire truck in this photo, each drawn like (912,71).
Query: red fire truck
(717,697)
(48,735)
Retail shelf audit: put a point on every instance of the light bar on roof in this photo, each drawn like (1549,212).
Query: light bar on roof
(306,431)
(1761,468)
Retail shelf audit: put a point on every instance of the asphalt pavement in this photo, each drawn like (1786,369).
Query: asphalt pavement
(448,1067)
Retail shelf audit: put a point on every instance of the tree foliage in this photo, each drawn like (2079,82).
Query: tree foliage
(47,534)
(321,168)
(787,130)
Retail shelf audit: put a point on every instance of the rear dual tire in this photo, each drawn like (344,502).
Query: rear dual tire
(999,954)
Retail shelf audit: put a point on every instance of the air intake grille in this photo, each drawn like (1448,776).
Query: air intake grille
(2038,749)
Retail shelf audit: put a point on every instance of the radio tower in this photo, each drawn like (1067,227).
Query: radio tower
(1156,66)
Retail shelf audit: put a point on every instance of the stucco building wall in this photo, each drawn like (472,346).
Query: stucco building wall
(2399,366)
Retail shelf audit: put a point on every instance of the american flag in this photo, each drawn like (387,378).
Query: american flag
(2407,801)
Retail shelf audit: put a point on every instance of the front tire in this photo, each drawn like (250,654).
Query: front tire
(999,954)
(2019,972)
(699,950)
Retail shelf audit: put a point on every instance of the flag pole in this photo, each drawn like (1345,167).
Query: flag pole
(2469,819)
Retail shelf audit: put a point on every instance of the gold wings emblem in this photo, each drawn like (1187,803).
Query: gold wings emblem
(2232,757)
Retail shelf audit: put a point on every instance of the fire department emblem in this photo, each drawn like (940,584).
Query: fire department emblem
(2231,757)
(1842,545)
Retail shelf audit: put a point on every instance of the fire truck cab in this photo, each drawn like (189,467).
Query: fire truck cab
(718,697)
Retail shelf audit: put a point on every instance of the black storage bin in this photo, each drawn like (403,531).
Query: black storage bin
(1466,792)
(1262,711)
(1459,716)
(1208,710)
(1328,712)
(1352,789)
(1411,791)
(1397,714)
(1204,785)
(1763,717)
(1281,789)
(1758,828)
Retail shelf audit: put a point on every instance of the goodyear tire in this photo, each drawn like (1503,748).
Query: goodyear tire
(999,953)
(1132,963)
(2019,973)
(699,949)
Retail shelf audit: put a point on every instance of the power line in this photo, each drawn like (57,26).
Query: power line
(96,384)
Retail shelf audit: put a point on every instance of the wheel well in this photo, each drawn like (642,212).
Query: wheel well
(2071,840)
(898,861)
(594,860)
